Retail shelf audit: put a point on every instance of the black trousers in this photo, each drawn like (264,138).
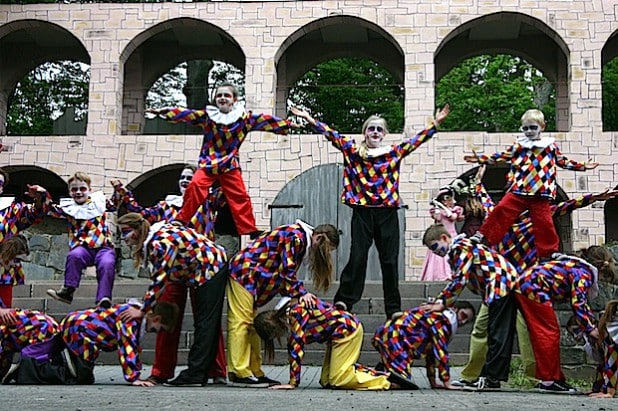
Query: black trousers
(208,300)
(500,336)
(371,224)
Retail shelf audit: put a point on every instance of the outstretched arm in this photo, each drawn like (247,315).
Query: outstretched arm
(303,114)
(441,115)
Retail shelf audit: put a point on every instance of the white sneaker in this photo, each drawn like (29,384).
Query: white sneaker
(11,374)
(69,362)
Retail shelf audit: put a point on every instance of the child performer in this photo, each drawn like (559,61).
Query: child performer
(225,129)
(90,241)
(166,349)
(19,329)
(15,217)
(531,184)
(443,211)
(264,269)
(487,273)
(608,342)
(180,254)
(321,323)
(418,334)
(537,290)
(370,188)
(88,332)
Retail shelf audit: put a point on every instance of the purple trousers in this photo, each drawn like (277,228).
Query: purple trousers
(103,258)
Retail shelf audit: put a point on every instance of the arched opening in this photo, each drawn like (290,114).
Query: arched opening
(161,48)
(335,37)
(611,220)
(513,34)
(609,81)
(42,42)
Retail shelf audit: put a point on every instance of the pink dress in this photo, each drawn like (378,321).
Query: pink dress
(436,268)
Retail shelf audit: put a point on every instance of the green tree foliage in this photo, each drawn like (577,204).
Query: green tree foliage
(610,95)
(45,94)
(490,93)
(343,92)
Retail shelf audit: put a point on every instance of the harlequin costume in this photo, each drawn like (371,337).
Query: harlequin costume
(90,242)
(414,335)
(569,279)
(219,160)
(343,335)
(15,217)
(531,186)
(488,274)
(88,332)
(370,188)
(184,256)
(264,269)
(166,348)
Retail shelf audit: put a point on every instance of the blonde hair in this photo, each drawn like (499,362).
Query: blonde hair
(141,227)
(320,256)
(434,232)
(374,118)
(80,176)
(534,115)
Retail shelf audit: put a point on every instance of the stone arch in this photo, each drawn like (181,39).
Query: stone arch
(334,36)
(512,33)
(608,53)
(495,183)
(314,197)
(163,46)
(41,41)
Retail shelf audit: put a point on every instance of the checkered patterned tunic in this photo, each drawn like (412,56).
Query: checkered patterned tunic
(88,332)
(32,327)
(92,233)
(533,170)
(203,221)
(221,143)
(267,266)
(559,281)
(481,269)
(372,181)
(183,255)
(321,324)
(416,334)
(609,368)
(13,219)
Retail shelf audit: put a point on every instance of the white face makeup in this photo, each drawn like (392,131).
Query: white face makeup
(531,130)
(128,235)
(439,247)
(79,191)
(184,180)
(374,133)
(464,315)
(224,99)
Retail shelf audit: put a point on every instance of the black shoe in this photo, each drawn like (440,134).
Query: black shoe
(556,387)
(485,383)
(64,294)
(248,382)
(380,367)
(402,381)
(477,238)
(340,305)
(268,381)
(462,383)
(185,380)
(105,303)
(255,234)
(69,362)
(11,374)
(156,380)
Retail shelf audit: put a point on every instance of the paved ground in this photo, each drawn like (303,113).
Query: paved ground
(112,393)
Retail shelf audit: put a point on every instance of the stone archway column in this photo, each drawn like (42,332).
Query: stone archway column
(563,115)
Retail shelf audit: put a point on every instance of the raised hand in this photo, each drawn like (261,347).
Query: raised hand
(442,114)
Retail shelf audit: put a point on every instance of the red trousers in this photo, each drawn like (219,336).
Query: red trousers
(507,212)
(235,194)
(6,294)
(544,332)
(166,349)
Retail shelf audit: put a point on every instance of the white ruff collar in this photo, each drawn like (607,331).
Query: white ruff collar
(90,209)
(451,316)
(309,230)
(5,202)
(542,143)
(225,118)
(153,229)
(174,200)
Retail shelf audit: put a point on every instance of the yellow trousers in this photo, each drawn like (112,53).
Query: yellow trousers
(339,371)
(478,346)
(244,351)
